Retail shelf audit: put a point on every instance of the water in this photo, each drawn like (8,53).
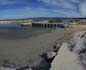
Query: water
(21,32)
(22,45)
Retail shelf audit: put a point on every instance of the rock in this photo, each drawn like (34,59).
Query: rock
(51,54)
(65,60)
(56,48)
(24,68)
(78,42)
(82,57)
(7,68)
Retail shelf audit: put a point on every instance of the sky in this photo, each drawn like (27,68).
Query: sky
(17,9)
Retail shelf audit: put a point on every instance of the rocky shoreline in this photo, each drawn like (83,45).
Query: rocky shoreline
(51,55)
(72,55)
(45,64)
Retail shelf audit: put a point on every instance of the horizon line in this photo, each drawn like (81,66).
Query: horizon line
(45,18)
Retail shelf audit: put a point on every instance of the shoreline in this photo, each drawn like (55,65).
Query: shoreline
(29,50)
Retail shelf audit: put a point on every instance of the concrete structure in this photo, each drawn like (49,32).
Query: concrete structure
(43,22)
(50,20)
(20,21)
(66,60)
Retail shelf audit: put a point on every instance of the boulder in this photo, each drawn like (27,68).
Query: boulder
(7,68)
(65,60)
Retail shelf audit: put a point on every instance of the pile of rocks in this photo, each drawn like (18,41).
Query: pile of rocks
(78,45)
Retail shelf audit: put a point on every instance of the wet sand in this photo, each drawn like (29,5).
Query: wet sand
(28,50)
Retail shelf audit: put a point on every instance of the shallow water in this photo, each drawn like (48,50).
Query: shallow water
(23,46)
(22,32)
(19,46)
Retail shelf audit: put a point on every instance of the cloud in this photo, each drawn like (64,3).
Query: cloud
(68,13)
(42,8)
(83,9)
(8,2)
(27,12)
(69,7)
(5,2)
(60,3)
(76,1)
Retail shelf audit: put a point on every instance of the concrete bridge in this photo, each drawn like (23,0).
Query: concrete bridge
(42,22)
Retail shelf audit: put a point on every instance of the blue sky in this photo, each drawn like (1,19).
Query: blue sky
(11,9)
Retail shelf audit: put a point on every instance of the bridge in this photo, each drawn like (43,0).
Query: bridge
(42,22)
